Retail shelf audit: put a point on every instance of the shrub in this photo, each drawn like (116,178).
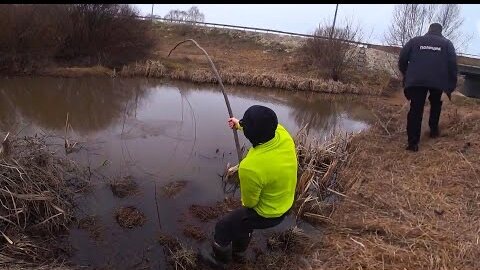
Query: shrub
(107,34)
(334,55)
(30,34)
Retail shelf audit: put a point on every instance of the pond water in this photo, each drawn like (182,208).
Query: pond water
(155,132)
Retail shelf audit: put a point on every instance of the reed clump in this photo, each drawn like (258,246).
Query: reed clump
(36,195)
(319,163)
(130,217)
(179,255)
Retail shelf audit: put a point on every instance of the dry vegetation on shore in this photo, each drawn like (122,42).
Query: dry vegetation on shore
(36,196)
(243,58)
(250,60)
(377,205)
(405,210)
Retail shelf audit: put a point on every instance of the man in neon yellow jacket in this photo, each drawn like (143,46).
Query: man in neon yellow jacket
(268,178)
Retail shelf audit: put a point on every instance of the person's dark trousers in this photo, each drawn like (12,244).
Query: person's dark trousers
(238,225)
(417,96)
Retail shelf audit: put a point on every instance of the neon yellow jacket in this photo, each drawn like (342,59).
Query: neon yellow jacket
(268,175)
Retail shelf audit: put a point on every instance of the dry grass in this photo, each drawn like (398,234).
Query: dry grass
(206,213)
(293,241)
(180,256)
(74,72)
(245,77)
(290,249)
(124,187)
(194,232)
(90,224)
(405,210)
(319,163)
(253,63)
(36,197)
(173,188)
(129,217)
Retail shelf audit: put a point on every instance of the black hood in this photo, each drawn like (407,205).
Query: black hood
(435,29)
(259,124)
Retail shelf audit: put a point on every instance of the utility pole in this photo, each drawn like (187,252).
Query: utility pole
(152,11)
(334,20)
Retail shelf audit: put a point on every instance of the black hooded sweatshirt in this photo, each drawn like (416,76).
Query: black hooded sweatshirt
(259,124)
(429,61)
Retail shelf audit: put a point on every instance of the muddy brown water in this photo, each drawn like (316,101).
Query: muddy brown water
(153,132)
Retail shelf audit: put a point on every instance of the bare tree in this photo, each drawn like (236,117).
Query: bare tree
(449,16)
(334,55)
(411,20)
(176,15)
(193,14)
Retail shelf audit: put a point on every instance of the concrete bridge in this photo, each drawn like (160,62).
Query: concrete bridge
(471,87)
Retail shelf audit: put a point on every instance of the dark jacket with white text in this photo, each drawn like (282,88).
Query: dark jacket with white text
(429,61)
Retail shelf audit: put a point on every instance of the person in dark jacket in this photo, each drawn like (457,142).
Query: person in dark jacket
(429,65)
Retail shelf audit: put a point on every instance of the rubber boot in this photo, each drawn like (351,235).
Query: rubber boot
(216,256)
(239,248)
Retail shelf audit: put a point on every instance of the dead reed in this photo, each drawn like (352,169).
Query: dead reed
(124,187)
(194,232)
(207,213)
(292,241)
(290,249)
(36,197)
(250,77)
(173,188)
(179,255)
(129,217)
(318,165)
(91,225)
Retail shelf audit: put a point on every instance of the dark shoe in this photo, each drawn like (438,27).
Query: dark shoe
(412,147)
(434,133)
(216,256)
(239,248)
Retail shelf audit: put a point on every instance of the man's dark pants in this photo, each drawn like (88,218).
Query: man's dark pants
(240,223)
(417,96)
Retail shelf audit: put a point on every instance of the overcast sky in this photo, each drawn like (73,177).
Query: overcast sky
(303,18)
